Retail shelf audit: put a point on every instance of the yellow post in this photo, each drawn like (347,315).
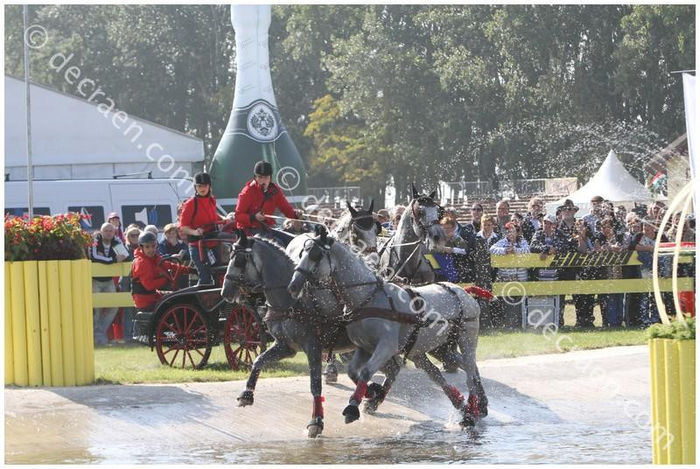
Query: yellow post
(67,336)
(686,360)
(78,322)
(659,434)
(44,293)
(86,270)
(32,317)
(19,326)
(9,368)
(673,407)
(55,335)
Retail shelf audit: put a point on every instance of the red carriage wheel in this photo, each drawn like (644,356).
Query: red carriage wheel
(242,338)
(183,337)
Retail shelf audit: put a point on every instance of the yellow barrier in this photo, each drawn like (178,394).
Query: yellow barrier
(9,363)
(673,401)
(48,334)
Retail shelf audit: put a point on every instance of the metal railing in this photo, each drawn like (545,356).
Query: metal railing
(336,195)
(456,192)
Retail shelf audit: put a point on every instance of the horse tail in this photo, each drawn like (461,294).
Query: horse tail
(479,292)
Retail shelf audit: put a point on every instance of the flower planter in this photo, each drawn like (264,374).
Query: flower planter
(673,400)
(48,323)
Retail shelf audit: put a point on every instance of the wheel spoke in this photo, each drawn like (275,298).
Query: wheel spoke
(194,318)
(175,319)
(191,360)
(174,356)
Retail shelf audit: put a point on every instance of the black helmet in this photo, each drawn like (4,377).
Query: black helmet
(262,168)
(202,178)
(147,237)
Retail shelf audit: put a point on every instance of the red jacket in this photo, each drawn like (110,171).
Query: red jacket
(251,200)
(204,217)
(147,277)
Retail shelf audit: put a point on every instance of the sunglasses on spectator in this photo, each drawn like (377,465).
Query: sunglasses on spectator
(477,209)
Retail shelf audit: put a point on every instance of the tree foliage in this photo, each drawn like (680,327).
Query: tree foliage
(418,92)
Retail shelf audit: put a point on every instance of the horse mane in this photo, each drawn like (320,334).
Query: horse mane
(343,223)
(276,246)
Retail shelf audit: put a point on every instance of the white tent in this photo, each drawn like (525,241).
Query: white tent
(74,138)
(611,182)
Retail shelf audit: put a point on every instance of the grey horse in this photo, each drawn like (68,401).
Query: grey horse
(358,228)
(261,265)
(385,320)
(418,232)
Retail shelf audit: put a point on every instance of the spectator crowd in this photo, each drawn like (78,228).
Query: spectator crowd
(469,246)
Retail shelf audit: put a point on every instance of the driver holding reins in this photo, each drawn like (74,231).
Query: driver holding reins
(258,198)
(149,274)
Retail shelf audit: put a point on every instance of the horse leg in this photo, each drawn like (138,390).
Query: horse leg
(312,348)
(377,393)
(468,339)
(331,370)
(274,354)
(384,351)
(456,397)
(359,358)
(448,355)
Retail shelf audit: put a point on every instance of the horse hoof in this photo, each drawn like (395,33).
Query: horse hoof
(315,427)
(351,413)
(245,399)
(468,421)
(371,406)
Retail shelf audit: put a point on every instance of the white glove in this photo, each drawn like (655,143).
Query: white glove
(459,251)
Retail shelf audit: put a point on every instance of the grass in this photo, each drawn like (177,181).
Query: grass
(138,364)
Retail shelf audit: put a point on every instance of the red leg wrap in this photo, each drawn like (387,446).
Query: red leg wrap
(473,405)
(360,392)
(318,406)
(455,396)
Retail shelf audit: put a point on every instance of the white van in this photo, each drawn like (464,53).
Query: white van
(143,201)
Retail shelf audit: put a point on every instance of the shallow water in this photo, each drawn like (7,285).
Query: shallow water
(541,411)
(490,442)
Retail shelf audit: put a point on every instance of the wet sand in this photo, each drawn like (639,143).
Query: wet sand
(589,406)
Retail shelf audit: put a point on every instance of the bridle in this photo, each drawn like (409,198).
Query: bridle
(365,223)
(316,252)
(417,219)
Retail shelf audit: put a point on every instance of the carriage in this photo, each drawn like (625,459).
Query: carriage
(186,324)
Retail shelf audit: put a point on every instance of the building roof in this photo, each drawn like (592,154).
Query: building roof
(67,129)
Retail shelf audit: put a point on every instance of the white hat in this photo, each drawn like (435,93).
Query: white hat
(550,219)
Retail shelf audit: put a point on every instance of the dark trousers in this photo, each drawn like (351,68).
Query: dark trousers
(202,265)
(584,303)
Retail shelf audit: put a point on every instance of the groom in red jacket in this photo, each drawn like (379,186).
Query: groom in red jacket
(261,197)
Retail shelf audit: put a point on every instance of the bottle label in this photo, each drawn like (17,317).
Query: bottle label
(260,121)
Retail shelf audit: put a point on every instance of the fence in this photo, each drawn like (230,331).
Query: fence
(537,288)
(457,192)
(336,195)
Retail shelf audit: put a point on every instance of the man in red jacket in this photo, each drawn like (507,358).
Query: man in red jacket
(149,275)
(261,197)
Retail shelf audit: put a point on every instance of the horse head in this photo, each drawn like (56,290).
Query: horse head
(242,273)
(425,215)
(359,229)
(314,263)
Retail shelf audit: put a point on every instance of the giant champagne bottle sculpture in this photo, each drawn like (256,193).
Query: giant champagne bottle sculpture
(254,131)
